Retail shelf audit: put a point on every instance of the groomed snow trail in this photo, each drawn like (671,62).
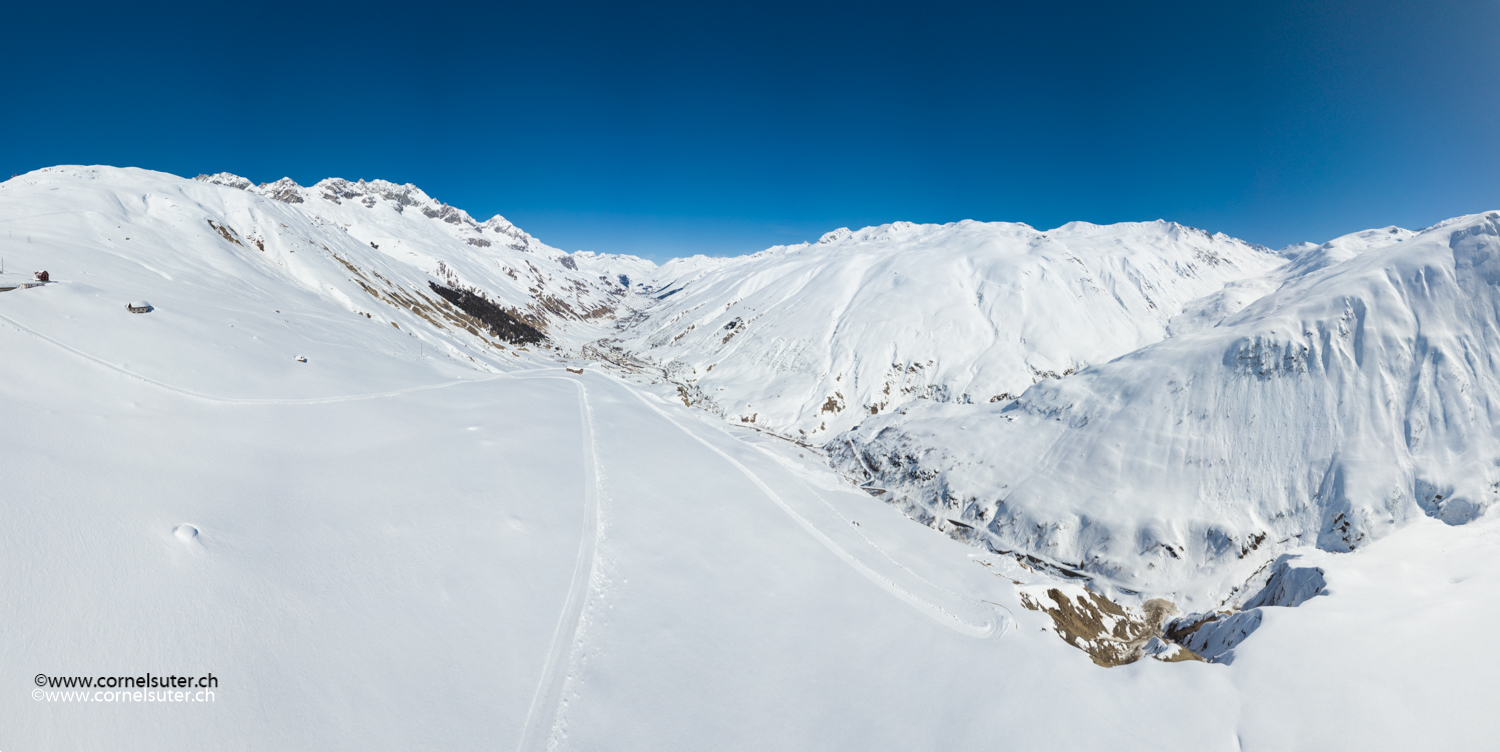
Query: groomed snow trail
(964,615)
(541,719)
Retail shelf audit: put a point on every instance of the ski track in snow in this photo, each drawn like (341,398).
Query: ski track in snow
(992,621)
(546,704)
(871,545)
(542,716)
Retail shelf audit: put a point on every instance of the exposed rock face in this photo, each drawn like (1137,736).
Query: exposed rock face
(226,179)
(284,190)
(1111,634)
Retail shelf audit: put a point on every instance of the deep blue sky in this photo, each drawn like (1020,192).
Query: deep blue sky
(722,128)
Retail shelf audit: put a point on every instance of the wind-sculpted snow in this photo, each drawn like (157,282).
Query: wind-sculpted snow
(813,338)
(1359,396)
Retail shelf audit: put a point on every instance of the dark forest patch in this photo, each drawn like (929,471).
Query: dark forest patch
(503,323)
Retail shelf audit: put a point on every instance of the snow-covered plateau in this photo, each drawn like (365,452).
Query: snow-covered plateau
(402,479)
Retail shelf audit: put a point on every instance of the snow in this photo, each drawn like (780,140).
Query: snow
(427,538)
(810,339)
(1353,400)
(638,272)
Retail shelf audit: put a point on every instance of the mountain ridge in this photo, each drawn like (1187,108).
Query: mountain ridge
(1338,407)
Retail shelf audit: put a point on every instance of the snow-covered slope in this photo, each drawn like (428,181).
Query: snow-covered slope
(440,241)
(632,272)
(1359,396)
(678,272)
(230,272)
(1305,257)
(813,338)
(428,569)
(406,222)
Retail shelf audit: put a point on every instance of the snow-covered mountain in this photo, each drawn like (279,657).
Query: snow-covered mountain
(1155,410)
(545,284)
(812,339)
(1358,395)
(631,272)
(347,451)
(351,270)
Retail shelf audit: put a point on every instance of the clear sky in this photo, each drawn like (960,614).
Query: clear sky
(665,129)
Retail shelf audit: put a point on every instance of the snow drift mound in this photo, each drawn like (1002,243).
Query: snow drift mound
(813,338)
(1361,394)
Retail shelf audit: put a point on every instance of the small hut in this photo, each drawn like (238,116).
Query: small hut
(42,276)
(139,307)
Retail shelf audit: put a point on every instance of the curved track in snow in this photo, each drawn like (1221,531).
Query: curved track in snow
(546,704)
(848,524)
(959,613)
(965,615)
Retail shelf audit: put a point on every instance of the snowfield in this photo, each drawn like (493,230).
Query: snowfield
(383,518)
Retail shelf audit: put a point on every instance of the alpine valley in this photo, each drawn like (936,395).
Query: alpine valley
(403,479)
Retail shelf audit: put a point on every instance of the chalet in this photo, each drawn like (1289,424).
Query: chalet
(37,280)
(139,307)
